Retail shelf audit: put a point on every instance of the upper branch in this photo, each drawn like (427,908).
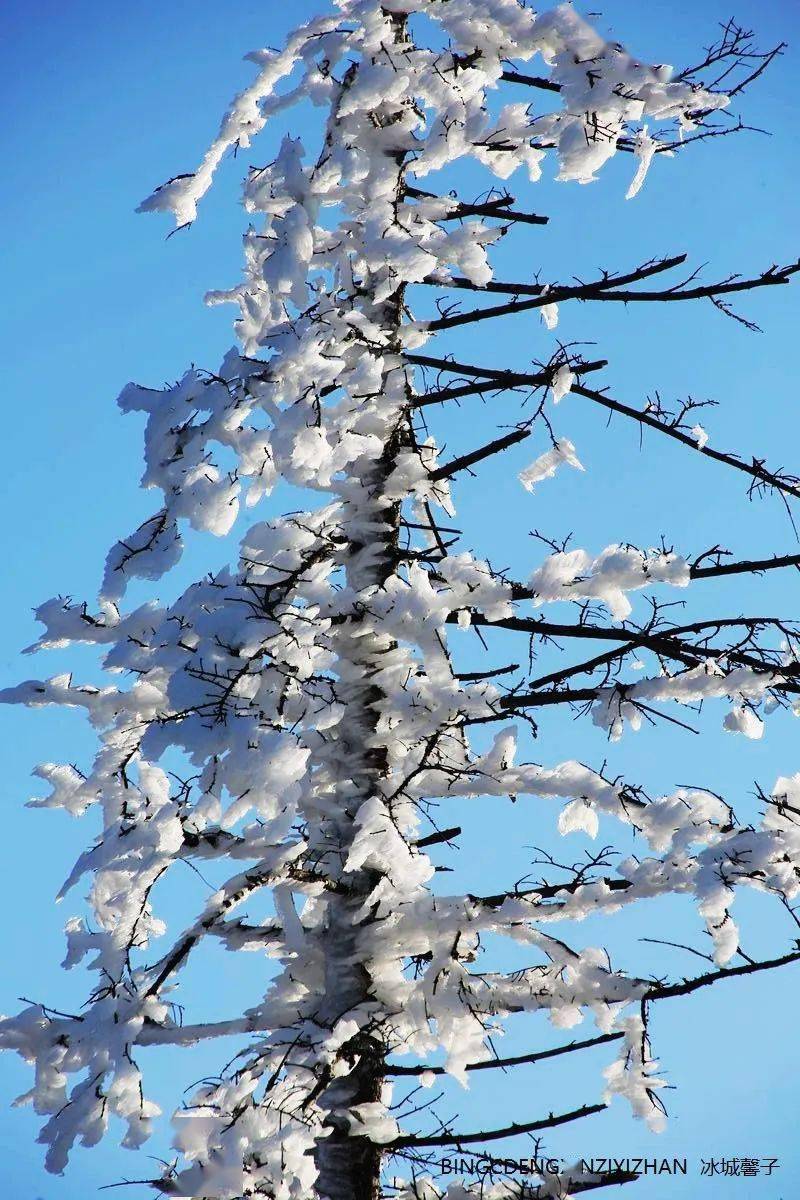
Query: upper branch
(499,206)
(603,289)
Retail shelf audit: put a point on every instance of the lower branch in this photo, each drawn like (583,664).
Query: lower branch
(493,1135)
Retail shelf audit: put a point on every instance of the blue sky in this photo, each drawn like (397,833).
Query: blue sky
(102,103)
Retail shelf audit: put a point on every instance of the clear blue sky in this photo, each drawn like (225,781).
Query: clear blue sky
(101,103)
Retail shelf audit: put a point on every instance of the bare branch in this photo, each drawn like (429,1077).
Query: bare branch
(605,290)
(516,1060)
(475,456)
(787,485)
(492,1135)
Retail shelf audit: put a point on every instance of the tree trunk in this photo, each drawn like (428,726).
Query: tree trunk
(349,1167)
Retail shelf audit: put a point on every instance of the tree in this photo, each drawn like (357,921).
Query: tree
(291,723)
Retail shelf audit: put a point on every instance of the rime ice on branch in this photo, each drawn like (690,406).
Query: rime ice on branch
(311,689)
